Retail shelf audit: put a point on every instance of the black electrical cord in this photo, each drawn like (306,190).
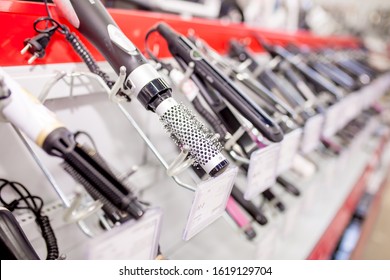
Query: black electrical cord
(151,54)
(34,204)
(52,26)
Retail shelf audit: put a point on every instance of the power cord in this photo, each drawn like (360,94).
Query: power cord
(33,203)
(37,45)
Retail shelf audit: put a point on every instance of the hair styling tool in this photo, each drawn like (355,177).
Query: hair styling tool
(240,219)
(183,50)
(245,145)
(321,63)
(24,200)
(14,244)
(142,80)
(298,63)
(39,124)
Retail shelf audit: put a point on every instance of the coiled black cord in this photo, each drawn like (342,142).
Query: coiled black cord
(33,203)
(87,57)
(51,25)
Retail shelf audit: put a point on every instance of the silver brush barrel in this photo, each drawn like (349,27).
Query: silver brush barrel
(188,131)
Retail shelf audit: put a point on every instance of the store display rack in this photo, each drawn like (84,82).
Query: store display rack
(309,229)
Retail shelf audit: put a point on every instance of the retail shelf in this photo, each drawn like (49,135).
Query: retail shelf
(304,230)
(309,229)
(331,236)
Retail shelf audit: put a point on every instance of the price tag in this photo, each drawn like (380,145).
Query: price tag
(262,170)
(351,108)
(133,240)
(211,197)
(331,120)
(312,133)
(366,96)
(288,150)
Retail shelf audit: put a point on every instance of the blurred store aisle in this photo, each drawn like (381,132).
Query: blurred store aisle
(378,242)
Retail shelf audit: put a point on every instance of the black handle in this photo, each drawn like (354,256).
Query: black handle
(96,24)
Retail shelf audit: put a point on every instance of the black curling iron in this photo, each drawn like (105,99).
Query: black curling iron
(183,50)
(141,80)
(40,125)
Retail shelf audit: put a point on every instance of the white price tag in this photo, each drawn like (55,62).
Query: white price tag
(350,108)
(262,170)
(288,150)
(133,240)
(211,197)
(366,97)
(332,122)
(312,133)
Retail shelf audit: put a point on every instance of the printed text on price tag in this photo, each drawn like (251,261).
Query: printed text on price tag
(210,201)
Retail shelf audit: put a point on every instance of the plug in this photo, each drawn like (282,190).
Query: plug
(36,46)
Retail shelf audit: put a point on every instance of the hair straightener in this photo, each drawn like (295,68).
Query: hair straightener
(310,74)
(93,21)
(186,53)
(345,61)
(40,125)
(277,84)
(222,120)
(321,63)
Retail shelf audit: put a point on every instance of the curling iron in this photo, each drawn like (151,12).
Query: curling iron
(94,22)
(40,125)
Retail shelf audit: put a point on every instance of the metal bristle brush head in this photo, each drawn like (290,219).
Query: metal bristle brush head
(187,130)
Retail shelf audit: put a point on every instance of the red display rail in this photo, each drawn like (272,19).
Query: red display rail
(16,19)
(330,238)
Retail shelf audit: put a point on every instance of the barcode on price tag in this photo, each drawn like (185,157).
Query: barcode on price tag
(262,170)
(133,240)
(211,197)
(288,149)
(312,133)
